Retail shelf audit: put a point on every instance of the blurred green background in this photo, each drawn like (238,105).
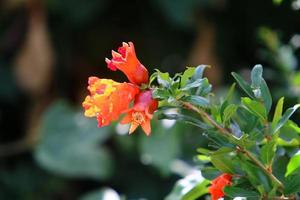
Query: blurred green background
(48,49)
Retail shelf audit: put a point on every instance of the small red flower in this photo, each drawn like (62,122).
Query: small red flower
(108,99)
(141,113)
(126,61)
(218,184)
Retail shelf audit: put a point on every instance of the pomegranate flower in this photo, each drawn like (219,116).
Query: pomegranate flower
(141,113)
(218,184)
(126,61)
(108,99)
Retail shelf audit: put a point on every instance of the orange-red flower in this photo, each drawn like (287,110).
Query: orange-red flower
(108,99)
(141,113)
(218,184)
(126,61)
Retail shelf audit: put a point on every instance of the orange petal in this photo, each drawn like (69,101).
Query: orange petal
(127,119)
(146,126)
(133,127)
(126,61)
(108,99)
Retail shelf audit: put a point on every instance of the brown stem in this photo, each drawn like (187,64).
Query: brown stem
(260,165)
(225,132)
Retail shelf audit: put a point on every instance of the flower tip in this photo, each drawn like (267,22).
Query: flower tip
(115,54)
(110,65)
(124,44)
(130,44)
(92,80)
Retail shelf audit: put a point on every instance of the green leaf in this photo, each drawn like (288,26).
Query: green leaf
(187,74)
(279,169)
(267,152)
(102,194)
(194,84)
(255,175)
(159,93)
(288,113)
(292,183)
(240,192)
(289,134)
(293,164)
(203,158)
(256,76)
(243,84)
(246,120)
(197,100)
(292,143)
(70,144)
(189,188)
(163,78)
(278,112)
(204,89)
(229,112)
(210,173)
(255,107)
(230,92)
(266,95)
(198,191)
(184,118)
(152,77)
(204,151)
(199,72)
(223,159)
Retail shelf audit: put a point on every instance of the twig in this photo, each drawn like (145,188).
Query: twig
(225,132)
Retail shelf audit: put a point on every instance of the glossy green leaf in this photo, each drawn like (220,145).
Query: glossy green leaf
(222,159)
(288,113)
(187,74)
(152,77)
(189,188)
(278,112)
(204,151)
(267,152)
(159,93)
(184,118)
(199,72)
(255,107)
(204,89)
(243,84)
(256,76)
(293,164)
(194,84)
(230,93)
(292,183)
(198,191)
(266,95)
(229,112)
(240,192)
(203,158)
(292,143)
(246,120)
(197,100)
(210,173)
(163,78)
(256,177)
